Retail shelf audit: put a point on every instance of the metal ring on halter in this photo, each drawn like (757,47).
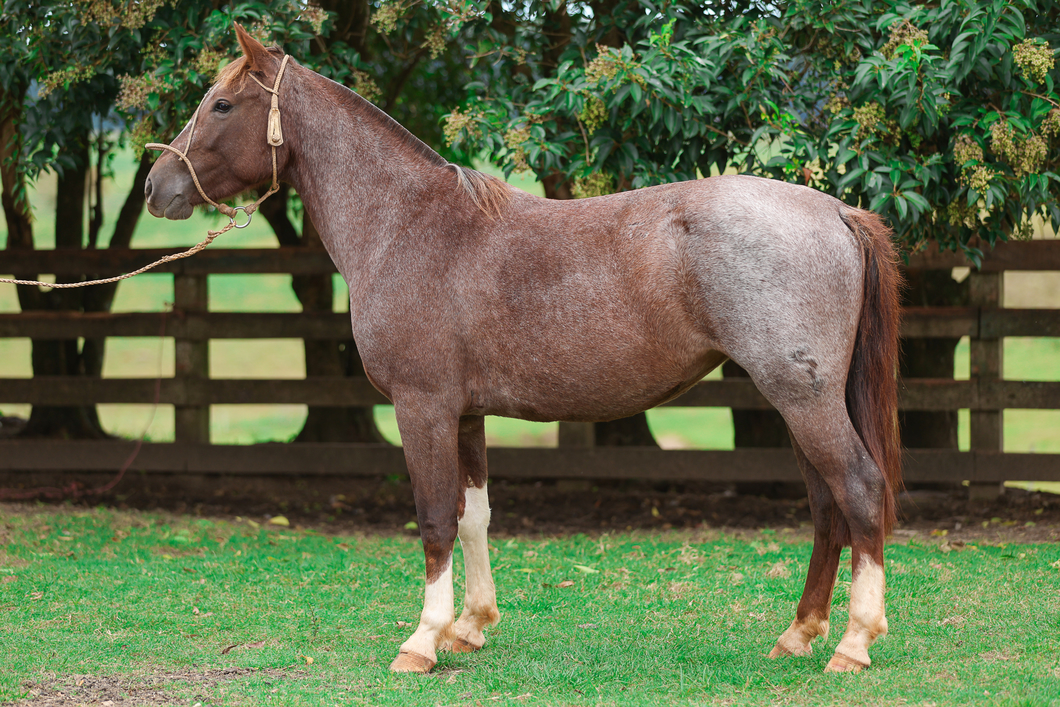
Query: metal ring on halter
(248,214)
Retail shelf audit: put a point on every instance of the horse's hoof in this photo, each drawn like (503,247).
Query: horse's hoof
(794,651)
(462,646)
(844,664)
(411,663)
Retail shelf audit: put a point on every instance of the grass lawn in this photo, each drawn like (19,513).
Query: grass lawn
(149,602)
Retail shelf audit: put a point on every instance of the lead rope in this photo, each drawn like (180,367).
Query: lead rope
(275,138)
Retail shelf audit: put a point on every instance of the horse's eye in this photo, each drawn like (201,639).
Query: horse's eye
(222,106)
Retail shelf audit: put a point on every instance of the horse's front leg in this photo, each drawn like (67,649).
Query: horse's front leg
(429,437)
(480,598)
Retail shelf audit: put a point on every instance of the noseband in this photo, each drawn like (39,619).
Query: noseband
(275,139)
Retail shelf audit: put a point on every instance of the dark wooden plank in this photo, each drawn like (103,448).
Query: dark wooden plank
(182,325)
(68,390)
(376,460)
(1007,466)
(1004,394)
(939,322)
(914,394)
(336,392)
(739,393)
(934,465)
(937,394)
(214,261)
(293,325)
(1020,255)
(644,463)
(997,323)
(65,390)
(258,459)
(506,463)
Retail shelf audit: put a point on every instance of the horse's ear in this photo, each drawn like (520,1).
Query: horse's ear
(255,52)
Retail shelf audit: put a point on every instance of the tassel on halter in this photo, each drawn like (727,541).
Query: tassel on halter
(275,133)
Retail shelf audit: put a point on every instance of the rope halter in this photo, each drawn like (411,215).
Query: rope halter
(274,136)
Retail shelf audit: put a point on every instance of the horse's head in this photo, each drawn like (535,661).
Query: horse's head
(229,137)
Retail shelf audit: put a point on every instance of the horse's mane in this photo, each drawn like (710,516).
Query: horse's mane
(488,193)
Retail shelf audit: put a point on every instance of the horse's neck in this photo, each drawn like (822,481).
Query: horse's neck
(362,178)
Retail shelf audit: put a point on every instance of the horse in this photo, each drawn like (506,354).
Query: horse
(469,298)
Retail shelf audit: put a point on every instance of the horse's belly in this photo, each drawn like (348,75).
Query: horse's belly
(594,388)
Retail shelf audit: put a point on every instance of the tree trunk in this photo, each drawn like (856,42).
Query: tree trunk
(322,358)
(17,212)
(63,357)
(99,298)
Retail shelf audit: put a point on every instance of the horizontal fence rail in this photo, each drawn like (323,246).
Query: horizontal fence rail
(1025,255)
(191,391)
(915,394)
(365,460)
(919,323)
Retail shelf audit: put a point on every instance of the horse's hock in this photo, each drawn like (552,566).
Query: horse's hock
(986,394)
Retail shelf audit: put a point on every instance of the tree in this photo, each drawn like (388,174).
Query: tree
(67,54)
(107,73)
(942,116)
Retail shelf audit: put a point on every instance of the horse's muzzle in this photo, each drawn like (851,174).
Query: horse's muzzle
(171,202)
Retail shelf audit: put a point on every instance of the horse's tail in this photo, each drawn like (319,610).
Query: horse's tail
(872,385)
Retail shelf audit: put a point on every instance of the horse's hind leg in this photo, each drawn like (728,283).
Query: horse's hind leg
(858,489)
(480,597)
(811,617)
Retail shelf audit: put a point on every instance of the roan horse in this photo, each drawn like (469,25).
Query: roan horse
(471,298)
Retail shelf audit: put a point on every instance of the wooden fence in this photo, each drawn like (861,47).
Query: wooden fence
(191,391)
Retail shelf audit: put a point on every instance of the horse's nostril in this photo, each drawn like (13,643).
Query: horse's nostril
(147,188)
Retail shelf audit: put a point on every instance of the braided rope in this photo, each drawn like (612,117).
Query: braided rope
(275,138)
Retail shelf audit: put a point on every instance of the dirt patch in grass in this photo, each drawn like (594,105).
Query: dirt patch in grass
(129,690)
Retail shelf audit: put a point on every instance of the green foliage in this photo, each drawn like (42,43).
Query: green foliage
(870,101)
(962,142)
(677,618)
(138,71)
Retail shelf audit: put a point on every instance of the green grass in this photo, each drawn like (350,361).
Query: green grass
(671,618)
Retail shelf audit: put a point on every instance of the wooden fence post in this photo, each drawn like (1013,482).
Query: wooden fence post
(986,364)
(191,422)
(577,434)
